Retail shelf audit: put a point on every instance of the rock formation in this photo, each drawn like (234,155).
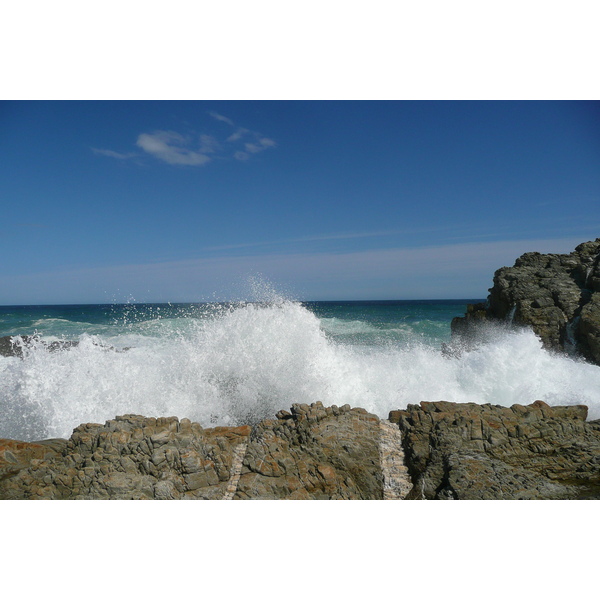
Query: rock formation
(451,451)
(312,452)
(13,346)
(478,452)
(557,295)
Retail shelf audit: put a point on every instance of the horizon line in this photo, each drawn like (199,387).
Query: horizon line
(174,302)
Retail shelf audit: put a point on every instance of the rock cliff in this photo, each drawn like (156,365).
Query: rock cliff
(557,295)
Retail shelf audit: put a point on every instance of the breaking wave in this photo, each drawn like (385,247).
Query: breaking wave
(239,363)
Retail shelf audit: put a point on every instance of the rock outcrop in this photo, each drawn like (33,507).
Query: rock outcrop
(133,457)
(557,295)
(312,452)
(14,345)
(450,451)
(478,452)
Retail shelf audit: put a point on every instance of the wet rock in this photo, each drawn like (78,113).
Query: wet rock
(557,295)
(473,452)
(15,345)
(12,345)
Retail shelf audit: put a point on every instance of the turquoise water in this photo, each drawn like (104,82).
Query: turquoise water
(227,364)
(350,322)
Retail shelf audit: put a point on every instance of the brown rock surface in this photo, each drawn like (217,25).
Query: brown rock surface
(16,455)
(458,451)
(314,453)
(133,457)
(471,451)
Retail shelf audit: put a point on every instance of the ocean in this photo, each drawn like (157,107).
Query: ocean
(236,363)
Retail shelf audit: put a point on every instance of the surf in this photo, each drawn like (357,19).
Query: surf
(236,363)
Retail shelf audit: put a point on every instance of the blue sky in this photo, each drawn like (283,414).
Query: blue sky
(187,201)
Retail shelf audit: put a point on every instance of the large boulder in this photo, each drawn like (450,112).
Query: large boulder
(478,452)
(557,295)
(314,453)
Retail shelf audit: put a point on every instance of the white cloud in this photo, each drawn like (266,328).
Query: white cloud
(173,148)
(238,135)
(208,144)
(254,142)
(218,117)
(254,147)
(114,154)
(196,150)
(267,143)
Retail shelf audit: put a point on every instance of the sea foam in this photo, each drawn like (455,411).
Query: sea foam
(240,363)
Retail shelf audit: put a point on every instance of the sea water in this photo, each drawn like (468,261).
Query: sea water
(235,363)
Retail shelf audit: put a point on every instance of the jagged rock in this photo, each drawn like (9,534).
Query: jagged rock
(9,346)
(133,457)
(314,453)
(473,452)
(557,295)
(461,451)
(14,345)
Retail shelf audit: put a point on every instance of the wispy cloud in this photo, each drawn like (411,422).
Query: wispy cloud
(444,271)
(309,238)
(218,117)
(252,141)
(238,134)
(113,154)
(175,149)
(194,150)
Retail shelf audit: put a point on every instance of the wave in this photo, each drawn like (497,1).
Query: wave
(241,363)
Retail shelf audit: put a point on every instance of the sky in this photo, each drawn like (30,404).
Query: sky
(116,201)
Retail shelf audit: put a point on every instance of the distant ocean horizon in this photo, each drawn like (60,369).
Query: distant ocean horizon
(230,363)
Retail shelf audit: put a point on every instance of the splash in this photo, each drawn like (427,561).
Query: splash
(238,363)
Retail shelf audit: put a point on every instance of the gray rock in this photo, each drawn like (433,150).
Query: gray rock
(477,452)
(452,451)
(557,295)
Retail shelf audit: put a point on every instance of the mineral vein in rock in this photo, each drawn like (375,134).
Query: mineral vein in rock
(396,481)
(236,469)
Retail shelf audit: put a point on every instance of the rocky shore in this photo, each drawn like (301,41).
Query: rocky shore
(438,450)
(557,295)
(435,450)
